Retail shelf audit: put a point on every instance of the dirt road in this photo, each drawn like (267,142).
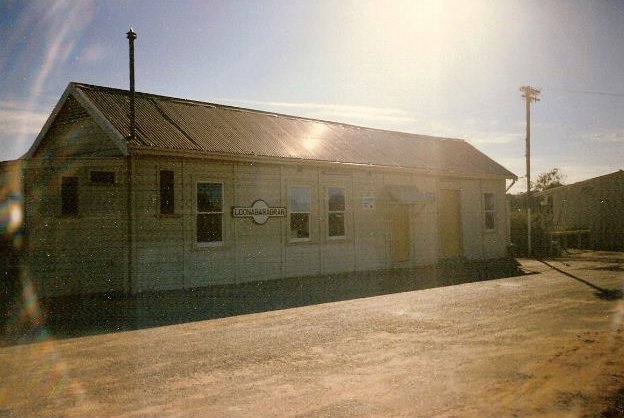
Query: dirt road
(545,344)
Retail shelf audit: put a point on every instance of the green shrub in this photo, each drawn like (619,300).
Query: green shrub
(519,234)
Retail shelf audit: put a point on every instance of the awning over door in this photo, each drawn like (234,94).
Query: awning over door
(409,194)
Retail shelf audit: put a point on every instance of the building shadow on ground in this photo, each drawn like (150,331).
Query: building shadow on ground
(29,320)
(600,292)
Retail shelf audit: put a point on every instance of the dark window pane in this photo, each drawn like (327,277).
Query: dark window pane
(69,196)
(336,199)
(103,177)
(209,227)
(488,201)
(300,225)
(489,220)
(336,225)
(166,192)
(489,204)
(209,197)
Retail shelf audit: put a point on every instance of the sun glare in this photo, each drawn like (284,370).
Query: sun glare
(312,140)
(422,41)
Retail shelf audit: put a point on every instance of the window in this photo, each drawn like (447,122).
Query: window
(102,177)
(336,212)
(209,212)
(69,196)
(490,211)
(299,213)
(167,206)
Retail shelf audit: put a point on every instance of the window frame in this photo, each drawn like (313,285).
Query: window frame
(491,211)
(65,193)
(291,212)
(332,212)
(198,212)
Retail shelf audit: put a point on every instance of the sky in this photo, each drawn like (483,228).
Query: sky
(434,67)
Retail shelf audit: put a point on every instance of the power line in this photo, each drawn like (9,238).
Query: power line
(595,93)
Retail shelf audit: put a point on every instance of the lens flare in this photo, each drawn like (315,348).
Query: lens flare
(11,214)
(27,319)
(45,371)
(17,214)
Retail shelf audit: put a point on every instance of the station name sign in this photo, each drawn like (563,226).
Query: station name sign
(259,211)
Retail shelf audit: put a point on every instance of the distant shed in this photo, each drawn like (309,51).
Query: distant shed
(209,194)
(595,205)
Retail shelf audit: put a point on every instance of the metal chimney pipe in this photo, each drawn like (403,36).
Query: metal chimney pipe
(131,35)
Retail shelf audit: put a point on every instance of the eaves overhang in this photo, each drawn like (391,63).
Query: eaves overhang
(139,151)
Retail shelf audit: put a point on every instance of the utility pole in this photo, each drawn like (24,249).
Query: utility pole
(530,95)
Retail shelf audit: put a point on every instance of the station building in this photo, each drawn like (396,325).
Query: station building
(205,194)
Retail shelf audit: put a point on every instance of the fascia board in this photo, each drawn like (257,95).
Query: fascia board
(101,120)
(92,110)
(48,123)
(234,158)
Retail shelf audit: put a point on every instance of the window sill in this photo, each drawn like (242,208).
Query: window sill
(168,215)
(338,240)
(301,241)
(201,246)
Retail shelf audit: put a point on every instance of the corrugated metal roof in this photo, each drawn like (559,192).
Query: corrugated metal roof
(178,124)
(612,178)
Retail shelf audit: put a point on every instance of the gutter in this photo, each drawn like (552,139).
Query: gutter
(293,161)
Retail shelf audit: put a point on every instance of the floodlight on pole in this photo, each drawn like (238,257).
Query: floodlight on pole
(530,95)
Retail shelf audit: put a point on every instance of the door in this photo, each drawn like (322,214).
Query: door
(449,219)
(400,233)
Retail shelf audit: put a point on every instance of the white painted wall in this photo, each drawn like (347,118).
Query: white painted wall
(168,256)
(478,242)
(89,252)
(86,253)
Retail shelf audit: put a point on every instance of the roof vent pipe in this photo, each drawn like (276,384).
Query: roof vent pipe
(131,35)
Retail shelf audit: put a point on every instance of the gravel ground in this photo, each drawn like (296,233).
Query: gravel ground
(542,344)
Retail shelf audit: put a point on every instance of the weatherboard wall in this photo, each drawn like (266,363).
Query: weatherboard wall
(88,253)
(81,253)
(168,256)
(480,242)
(84,252)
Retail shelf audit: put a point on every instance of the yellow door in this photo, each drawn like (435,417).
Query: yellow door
(400,233)
(449,210)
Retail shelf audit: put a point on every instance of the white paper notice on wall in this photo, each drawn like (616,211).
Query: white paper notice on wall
(368,202)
